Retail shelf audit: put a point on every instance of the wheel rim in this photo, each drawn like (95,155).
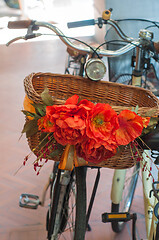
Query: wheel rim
(129,188)
(65,217)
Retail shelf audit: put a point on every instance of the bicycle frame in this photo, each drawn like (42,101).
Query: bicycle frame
(136,80)
(119,175)
(149,202)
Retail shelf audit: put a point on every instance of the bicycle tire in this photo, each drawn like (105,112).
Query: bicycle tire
(61,208)
(124,78)
(127,198)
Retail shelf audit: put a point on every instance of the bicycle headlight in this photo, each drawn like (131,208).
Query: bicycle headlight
(95,69)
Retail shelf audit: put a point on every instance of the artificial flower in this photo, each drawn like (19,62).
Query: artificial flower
(69,120)
(102,124)
(93,152)
(95,131)
(45,125)
(130,127)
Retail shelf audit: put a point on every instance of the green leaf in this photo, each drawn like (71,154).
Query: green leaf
(135,109)
(40,109)
(46,97)
(34,115)
(30,128)
(27,113)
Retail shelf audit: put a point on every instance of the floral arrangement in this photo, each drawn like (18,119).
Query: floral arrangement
(95,131)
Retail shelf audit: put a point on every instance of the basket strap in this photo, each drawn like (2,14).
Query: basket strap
(69,159)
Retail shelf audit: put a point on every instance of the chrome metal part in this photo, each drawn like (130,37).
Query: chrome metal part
(145,34)
(29,201)
(95,69)
(85,49)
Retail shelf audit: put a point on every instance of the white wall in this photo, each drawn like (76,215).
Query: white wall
(134,8)
(145,9)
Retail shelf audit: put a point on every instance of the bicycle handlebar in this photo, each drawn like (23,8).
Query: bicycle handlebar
(34,25)
(19,24)
(83,23)
(85,49)
(100,21)
(82,49)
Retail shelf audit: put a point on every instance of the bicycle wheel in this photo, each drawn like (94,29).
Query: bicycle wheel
(67,214)
(125,78)
(74,65)
(127,193)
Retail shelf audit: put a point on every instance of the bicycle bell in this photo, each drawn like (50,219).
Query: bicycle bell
(95,69)
(145,34)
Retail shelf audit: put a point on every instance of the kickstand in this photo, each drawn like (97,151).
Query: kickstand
(88,228)
(134,218)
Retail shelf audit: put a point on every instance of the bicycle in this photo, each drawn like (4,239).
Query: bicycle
(62,181)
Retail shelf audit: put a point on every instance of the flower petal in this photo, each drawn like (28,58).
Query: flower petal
(130,127)
(72,100)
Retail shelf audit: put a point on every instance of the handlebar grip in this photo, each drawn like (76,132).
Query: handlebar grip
(19,24)
(81,23)
(156,45)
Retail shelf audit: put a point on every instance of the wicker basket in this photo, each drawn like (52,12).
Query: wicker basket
(119,96)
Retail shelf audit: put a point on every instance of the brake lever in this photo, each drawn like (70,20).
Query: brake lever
(26,37)
(154,56)
(152,51)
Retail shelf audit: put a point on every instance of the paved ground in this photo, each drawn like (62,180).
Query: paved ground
(16,62)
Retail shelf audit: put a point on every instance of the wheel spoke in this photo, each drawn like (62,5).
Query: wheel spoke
(64,226)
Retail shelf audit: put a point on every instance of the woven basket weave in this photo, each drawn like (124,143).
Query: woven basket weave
(119,96)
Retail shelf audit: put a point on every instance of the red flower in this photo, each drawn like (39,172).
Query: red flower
(93,152)
(69,120)
(130,127)
(45,125)
(102,124)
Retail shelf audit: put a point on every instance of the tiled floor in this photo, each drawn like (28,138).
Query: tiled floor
(16,62)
